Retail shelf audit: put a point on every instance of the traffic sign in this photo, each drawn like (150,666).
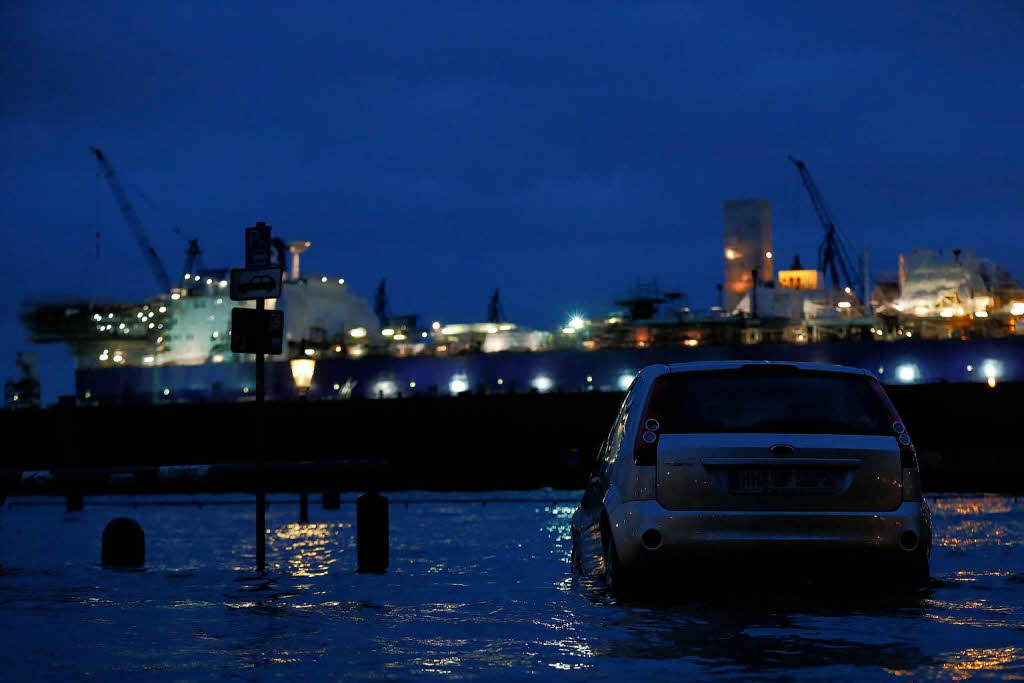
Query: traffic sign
(257,246)
(255,283)
(255,331)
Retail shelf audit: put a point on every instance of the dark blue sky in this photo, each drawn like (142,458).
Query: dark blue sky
(560,151)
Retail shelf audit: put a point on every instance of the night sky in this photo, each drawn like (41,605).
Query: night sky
(559,151)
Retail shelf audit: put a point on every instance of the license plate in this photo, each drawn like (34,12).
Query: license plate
(781,480)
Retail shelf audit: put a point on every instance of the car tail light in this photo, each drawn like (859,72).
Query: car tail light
(645,452)
(910,472)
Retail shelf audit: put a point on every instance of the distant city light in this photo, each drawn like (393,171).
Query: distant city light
(223,283)
(424,335)
(881,370)
(436,325)
(97,317)
(1017,308)
(209,280)
(946,313)
(412,385)
(879,333)
(118,358)
(590,378)
(188,276)
(358,332)
(576,322)
(500,381)
(568,330)
(337,387)
(458,384)
(767,254)
(110,315)
(162,309)
(906,373)
(981,314)
(167,391)
(388,332)
(690,342)
(970,368)
(542,383)
(991,381)
(505,328)
(309,352)
(341,280)
(844,304)
(400,337)
(991,369)
(909,334)
(448,330)
(175,296)
(492,329)
(323,279)
(624,381)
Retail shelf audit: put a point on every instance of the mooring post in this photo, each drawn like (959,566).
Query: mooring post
(124,544)
(74,502)
(261,495)
(331,500)
(372,533)
(303,508)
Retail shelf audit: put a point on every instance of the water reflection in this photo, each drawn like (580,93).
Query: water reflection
(308,550)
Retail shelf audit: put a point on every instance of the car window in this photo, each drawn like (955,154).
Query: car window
(618,429)
(802,402)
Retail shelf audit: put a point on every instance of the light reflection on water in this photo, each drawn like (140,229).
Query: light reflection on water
(473,590)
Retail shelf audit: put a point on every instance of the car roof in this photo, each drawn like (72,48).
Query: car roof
(697,366)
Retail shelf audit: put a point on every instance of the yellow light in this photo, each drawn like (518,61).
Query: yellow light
(400,337)
(218,358)
(302,372)
(946,313)
(991,381)
(337,387)
(501,381)
(1017,308)
(388,332)
(118,358)
(767,254)
(690,342)
(337,349)
(147,359)
(590,379)
(504,328)
(245,390)
(568,330)
(981,314)
(358,332)
(731,254)
(844,304)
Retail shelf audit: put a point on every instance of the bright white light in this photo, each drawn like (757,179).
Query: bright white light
(458,384)
(906,373)
(436,325)
(844,304)
(152,325)
(576,322)
(910,334)
(245,390)
(175,296)
(505,328)
(162,309)
(492,329)
(309,352)
(991,381)
(568,330)
(731,254)
(881,370)
(624,381)
(991,368)
(118,358)
(981,314)
(159,339)
(400,337)
(121,326)
(223,283)
(970,368)
(337,349)
(767,254)
(448,330)
(216,334)
(1017,308)
(501,381)
(847,290)
(323,279)
(337,387)
(188,276)
(879,333)
(590,379)
(388,332)
(220,301)
(167,391)
(209,280)
(97,317)
(218,358)
(424,335)
(385,388)
(341,280)
(412,385)
(104,356)
(946,313)
(690,342)
(542,383)
(358,332)
(110,315)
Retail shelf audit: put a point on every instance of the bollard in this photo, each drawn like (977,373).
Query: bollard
(74,502)
(332,500)
(372,533)
(124,544)
(303,508)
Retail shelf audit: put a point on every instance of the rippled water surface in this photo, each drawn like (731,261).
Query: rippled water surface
(473,591)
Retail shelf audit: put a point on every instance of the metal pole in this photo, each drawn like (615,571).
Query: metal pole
(303,508)
(261,496)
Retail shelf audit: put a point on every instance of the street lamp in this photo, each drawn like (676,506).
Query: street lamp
(302,374)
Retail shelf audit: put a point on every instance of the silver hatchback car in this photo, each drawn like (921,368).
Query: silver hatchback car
(708,459)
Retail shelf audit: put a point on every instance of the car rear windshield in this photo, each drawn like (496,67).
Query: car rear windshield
(770,400)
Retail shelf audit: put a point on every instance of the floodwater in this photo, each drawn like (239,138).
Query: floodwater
(473,591)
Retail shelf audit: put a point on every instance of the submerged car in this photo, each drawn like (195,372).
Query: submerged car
(707,460)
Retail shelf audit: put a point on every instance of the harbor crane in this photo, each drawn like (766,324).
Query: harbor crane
(134,222)
(833,258)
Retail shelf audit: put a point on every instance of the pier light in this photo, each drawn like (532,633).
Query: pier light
(625,379)
(358,332)
(388,332)
(542,383)
(907,373)
(458,384)
(302,373)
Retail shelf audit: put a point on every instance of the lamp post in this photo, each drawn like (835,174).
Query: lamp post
(302,374)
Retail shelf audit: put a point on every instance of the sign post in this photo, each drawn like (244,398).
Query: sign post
(257,331)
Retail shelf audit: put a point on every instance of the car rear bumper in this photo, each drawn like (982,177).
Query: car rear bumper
(693,533)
